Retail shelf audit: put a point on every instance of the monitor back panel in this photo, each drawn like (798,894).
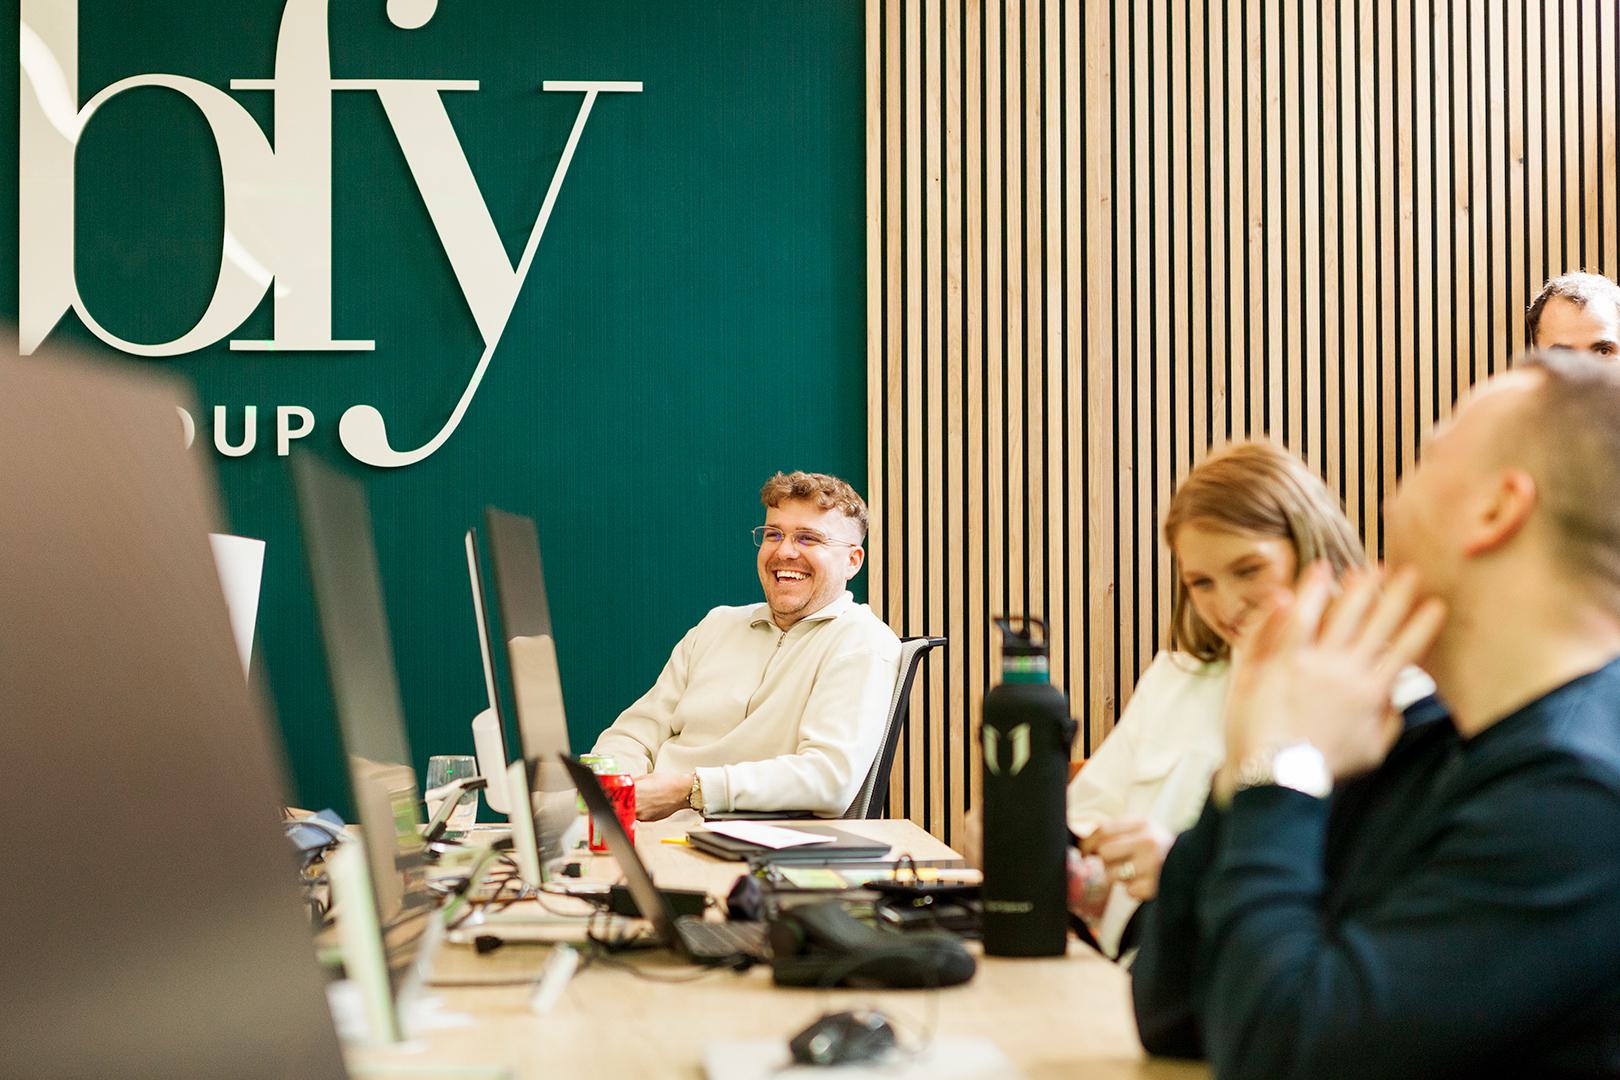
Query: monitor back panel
(524,626)
(155,926)
(360,665)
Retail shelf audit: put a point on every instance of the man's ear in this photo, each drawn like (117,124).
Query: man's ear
(1505,513)
(857,559)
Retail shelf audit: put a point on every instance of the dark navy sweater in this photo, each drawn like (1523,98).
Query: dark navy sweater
(1454,913)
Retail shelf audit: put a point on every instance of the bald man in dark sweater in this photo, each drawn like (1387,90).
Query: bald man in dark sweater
(1439,895)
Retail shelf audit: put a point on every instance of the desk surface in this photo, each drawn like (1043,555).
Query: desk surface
(1058,1017)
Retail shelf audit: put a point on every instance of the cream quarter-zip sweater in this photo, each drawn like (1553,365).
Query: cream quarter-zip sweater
(768,719)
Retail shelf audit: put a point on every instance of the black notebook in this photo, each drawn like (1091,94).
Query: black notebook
(844,847)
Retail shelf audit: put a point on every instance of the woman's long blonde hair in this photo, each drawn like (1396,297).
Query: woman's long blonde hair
(1257,488)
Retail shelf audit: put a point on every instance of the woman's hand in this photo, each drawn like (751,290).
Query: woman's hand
(1132,852)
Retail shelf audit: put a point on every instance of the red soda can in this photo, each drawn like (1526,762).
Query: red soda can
(621,792)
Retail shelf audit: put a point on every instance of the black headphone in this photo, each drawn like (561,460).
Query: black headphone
(821,944)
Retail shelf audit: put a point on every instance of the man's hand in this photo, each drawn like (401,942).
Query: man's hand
(1132,851)
(659,795)
(1324,675)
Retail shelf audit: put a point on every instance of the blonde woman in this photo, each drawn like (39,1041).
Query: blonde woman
(1242,527)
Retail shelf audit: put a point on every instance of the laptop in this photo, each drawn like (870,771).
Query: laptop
(844,847)
(700,941)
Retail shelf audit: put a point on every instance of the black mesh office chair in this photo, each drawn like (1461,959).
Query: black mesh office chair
(870,802)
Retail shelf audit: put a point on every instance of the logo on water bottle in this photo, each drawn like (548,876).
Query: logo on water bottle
(1020,749)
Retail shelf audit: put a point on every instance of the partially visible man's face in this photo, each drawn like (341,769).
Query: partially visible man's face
(801,578)
(1593,327)
(1425,521)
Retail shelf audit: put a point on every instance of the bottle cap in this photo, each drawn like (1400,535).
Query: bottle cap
(1023,659)
(1021,643)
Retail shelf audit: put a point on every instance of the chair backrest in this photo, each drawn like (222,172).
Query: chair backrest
(874,793)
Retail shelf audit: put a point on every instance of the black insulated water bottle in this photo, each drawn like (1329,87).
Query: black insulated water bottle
(1026,735)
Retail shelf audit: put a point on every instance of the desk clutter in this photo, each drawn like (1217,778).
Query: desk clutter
(438,948)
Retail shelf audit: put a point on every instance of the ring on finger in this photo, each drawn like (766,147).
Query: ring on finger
(1126,871)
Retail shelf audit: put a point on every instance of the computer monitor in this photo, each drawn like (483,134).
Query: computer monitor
(360,666)
(154,923)
(489,726)
(523,622)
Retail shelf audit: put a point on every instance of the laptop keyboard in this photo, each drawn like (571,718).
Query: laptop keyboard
(720,940)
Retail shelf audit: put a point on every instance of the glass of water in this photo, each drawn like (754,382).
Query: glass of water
(446,769)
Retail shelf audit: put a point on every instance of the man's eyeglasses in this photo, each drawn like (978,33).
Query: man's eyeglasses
(803,539)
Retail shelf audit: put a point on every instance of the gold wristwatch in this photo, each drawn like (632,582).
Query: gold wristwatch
(694,798)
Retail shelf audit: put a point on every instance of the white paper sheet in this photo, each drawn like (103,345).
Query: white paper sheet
(771,836)
(240,562)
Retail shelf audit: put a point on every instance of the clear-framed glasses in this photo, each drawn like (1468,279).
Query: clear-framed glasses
(803,539)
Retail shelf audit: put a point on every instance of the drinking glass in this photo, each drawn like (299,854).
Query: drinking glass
(447,769)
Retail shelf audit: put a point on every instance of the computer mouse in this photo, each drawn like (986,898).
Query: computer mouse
(844,1038)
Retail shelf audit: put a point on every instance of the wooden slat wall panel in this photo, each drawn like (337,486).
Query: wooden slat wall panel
(1105,233)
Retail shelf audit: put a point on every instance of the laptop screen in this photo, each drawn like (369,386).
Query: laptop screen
(636,878)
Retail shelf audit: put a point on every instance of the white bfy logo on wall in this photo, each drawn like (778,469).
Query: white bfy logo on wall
(278,205)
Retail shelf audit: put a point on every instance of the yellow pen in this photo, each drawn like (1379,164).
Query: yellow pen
(681,839)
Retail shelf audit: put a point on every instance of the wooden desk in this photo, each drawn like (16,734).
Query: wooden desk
(1058,1017)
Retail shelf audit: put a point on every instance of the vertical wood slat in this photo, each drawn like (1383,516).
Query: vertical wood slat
(1555,130)
(914,507)
(1327,430)
(971,639)
(886,586)
(1282,125)
(877,235)
(1104,235)
(1482,314)
(1306,426)
(1101,591)
(1470,312)
(1079,676)
(1054,512)
(1426,314)
(1387,165)
(1497,158)
(1590,107)
(1369,182)
(1536,142)
(1165,358)
(1516,236)
(1451,208)
(1199,344)
(1406,407)
(1032,512)
(934,748)
(1122,230)
(951,428)
(1606,53)
(995,68)
(1142,303)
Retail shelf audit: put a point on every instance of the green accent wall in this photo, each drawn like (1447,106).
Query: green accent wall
(694,319)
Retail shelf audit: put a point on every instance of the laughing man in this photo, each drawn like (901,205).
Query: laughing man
(773,706)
